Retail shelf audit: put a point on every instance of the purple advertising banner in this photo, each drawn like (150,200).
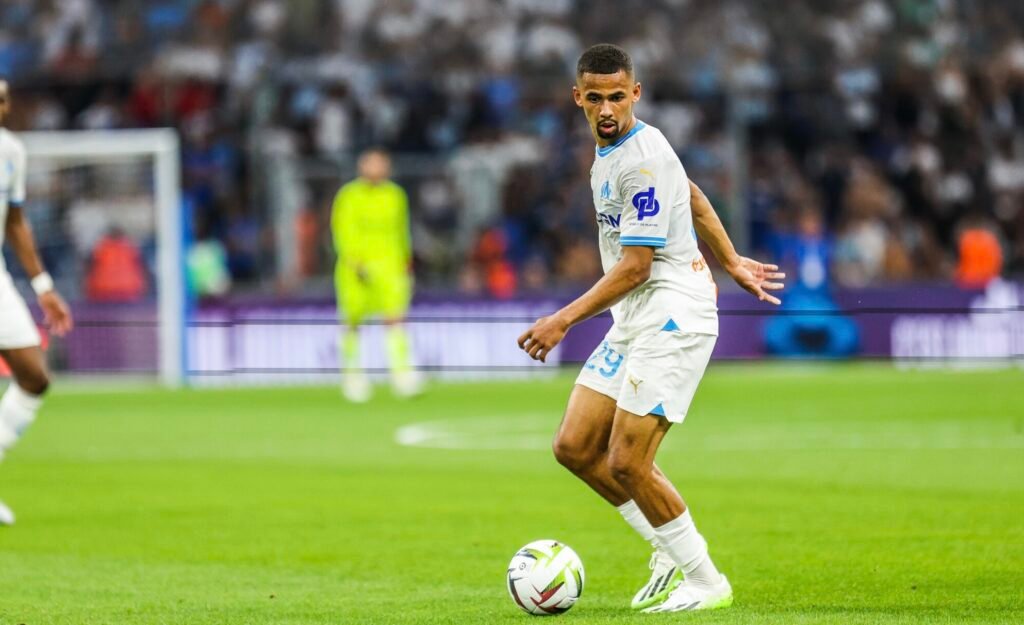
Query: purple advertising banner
(119,338)
(466,339)
(910,323)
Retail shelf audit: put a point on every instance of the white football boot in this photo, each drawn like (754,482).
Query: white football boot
(692,597)
(356,388)
(6,515)
(665,576)
(408,383)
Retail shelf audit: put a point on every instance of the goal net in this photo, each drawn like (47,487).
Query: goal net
(105,207)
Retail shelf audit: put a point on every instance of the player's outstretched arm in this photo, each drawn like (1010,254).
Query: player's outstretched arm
(755,277)
(56,313)
(632,270)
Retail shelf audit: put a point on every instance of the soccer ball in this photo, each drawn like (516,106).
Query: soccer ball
(545,577)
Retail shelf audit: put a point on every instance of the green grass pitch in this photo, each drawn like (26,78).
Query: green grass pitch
(839,494)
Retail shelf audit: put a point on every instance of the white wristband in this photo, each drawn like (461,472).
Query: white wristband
(42,284)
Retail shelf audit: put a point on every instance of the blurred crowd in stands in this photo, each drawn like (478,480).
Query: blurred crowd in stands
(875,141)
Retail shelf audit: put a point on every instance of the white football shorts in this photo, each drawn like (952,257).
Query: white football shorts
(653,374)
(17,329)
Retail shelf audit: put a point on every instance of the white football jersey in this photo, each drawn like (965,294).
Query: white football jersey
(12,179)
(642,197)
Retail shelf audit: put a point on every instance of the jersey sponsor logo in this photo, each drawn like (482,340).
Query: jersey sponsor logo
(609,220)
(646,204)
(636,384)
(606,190)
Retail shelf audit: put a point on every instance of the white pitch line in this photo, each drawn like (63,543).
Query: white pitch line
(534,432)
(526,432)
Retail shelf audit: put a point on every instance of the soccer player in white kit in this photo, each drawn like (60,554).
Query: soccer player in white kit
(642,377)
(19,338)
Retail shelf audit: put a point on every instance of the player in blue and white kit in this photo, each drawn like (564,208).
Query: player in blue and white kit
(642,377)
(19,338)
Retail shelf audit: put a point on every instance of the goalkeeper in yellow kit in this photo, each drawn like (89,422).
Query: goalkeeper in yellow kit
(370,223)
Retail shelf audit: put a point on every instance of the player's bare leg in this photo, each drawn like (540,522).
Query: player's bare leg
(632,446)
(581,446)
(633,442)
(20,401)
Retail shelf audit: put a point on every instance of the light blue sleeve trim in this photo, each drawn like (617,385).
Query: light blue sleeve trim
(647,241)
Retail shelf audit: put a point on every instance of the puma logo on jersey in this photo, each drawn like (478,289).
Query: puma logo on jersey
(636,384)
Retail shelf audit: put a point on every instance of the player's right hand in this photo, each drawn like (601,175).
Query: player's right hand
(56,313)
(545,334)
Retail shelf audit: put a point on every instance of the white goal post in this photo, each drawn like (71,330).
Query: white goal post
(161,147)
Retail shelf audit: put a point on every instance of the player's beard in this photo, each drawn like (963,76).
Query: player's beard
(608,133)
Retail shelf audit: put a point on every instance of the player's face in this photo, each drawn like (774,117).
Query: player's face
(607,100)
(375,167)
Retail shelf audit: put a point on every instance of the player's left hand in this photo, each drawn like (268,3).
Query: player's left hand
(56,313)
(756,278)
(545,334)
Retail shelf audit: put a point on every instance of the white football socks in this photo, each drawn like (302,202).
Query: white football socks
(680,539)
(7,438)
(17,411)
(636,519)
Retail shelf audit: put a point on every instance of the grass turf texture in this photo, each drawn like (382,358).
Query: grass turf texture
(845,494)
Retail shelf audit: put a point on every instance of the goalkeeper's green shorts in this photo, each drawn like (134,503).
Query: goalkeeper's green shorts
(376,291)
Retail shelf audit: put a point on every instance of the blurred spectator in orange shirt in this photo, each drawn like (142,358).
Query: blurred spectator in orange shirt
(116,272)
(980,255)
(499,274)
(307,232)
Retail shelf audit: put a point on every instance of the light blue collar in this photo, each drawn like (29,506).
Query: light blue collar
(608,149)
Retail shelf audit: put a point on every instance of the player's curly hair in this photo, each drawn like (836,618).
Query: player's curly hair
(604,58)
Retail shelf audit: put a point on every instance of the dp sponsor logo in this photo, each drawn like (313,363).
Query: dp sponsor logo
(646,204)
